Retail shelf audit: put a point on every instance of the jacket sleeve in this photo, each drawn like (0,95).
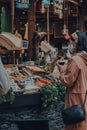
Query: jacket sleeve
(70,75)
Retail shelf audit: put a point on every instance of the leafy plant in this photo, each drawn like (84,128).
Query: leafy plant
(61,90)
(49,96)
(9,97)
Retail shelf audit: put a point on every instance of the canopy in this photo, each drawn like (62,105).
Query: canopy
(10,41)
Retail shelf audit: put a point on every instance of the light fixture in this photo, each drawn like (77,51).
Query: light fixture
(65,26)
(64,31)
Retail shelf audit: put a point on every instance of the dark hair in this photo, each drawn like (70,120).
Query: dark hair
(85,25)
(35,38)
(82,41)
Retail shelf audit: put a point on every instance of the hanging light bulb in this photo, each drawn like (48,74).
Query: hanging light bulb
(60,14)
(64,31)
(65,27)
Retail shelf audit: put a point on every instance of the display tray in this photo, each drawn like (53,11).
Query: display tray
(23,100)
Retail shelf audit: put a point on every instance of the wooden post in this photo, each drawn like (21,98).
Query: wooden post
(31,21)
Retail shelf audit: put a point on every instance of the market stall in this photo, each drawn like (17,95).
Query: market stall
(26,80)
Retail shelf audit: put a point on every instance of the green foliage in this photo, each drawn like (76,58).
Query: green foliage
(49,96)
(9,97)
(61,90)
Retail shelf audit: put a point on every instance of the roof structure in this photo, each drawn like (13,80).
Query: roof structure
(10,41)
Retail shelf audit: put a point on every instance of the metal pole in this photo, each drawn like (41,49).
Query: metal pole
(48,34)
(12,14)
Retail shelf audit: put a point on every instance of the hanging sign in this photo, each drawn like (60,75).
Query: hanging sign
(46,2)
(22,4)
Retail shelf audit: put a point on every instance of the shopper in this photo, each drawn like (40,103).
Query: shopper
(4,77)
(74,76)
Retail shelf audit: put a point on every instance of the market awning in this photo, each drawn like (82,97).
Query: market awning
(10,41)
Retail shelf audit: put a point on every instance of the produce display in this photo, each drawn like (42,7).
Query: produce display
(26,79)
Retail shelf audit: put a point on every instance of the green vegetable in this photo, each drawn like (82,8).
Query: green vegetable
(61,90)
(9,97)
(49,96)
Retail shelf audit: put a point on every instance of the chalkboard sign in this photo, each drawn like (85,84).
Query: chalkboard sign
(24,44)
